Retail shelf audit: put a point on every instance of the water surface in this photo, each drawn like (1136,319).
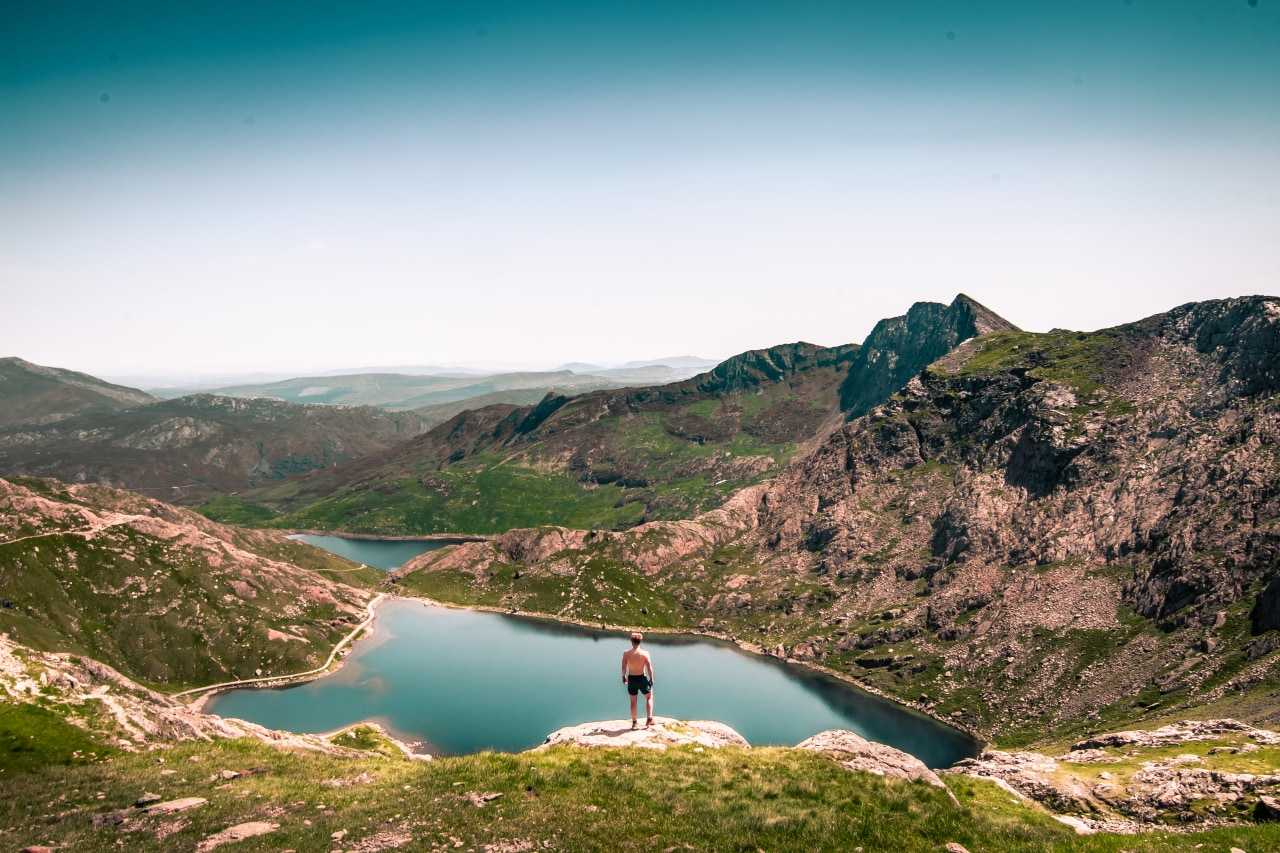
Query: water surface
(460,681)
(385,554)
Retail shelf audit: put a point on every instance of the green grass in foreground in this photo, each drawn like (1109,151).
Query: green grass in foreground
(565,799)
(32,737)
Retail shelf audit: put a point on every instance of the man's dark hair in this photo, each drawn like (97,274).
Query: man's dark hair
(636,637)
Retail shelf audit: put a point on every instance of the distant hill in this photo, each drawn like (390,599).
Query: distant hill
(402,391)
(613,458)
(195,447)
(35,394)
(676,361)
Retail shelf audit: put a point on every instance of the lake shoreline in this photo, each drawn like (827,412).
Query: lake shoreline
(741,645)
(284,681)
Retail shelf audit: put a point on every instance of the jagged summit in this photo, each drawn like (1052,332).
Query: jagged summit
(900,347)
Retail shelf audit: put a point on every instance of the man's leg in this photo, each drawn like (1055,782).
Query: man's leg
(648,707)
(633,707)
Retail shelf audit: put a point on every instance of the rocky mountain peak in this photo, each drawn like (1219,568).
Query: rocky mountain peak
(900,347)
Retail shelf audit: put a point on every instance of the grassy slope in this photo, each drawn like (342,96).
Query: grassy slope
(566,798)
(161,613)
(491,492)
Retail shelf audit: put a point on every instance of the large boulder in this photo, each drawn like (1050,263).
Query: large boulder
(664,733)
(857,753)
(1031,775)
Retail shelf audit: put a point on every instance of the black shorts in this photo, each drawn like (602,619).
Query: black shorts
(638,684)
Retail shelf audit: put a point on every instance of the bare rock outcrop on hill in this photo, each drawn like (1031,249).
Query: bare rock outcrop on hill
(855,752)
(664,733)
(1129,776)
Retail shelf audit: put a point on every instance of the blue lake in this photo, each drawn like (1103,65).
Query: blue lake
(460,681)
(385,554)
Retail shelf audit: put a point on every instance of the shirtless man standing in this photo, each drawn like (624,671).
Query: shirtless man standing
(637,674)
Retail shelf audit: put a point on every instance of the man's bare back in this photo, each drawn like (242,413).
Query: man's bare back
(637,675)
(636,661)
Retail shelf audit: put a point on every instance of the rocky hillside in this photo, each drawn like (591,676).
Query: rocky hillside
(1040,532)
(163,594)
(34,394)
(621,457)
(192,448)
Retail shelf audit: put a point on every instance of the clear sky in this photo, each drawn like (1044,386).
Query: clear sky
(216,186)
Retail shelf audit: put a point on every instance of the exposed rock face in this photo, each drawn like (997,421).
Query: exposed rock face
(1186,731)
(664,733)
(900,347)
(1031,775)
(855,752)
(1184,788)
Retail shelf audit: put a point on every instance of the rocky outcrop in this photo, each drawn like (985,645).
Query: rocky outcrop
(1186,731)
(1135,788)
(664,733)
(1030,775)
(900,347)
(855,752)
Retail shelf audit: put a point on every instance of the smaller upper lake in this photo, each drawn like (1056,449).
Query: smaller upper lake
(385,554)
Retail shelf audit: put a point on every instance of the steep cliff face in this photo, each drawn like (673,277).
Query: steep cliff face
(35,394)
(193,447)
(900,347)
(1040,529)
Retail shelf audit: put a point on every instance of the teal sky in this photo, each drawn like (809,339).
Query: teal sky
(279,185)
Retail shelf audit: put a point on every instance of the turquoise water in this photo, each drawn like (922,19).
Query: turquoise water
(460,681)
(386,554)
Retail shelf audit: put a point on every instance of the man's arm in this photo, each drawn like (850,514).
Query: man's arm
(624,667)
(648,662)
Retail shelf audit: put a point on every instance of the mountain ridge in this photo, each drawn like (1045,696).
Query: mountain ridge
(33,394)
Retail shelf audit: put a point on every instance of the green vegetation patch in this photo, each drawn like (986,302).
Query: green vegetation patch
(1082,360)
(33,737)
(480,496)
(564,798)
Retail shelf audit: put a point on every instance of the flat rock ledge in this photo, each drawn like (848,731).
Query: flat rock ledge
(855,752)
(664,733)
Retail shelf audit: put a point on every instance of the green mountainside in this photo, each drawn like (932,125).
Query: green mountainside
(612,459)
(34,394)
(163,594)
(193,448)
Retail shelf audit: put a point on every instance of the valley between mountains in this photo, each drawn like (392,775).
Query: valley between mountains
(1044,538)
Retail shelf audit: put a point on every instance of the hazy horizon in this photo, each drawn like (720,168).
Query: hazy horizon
(194,189)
